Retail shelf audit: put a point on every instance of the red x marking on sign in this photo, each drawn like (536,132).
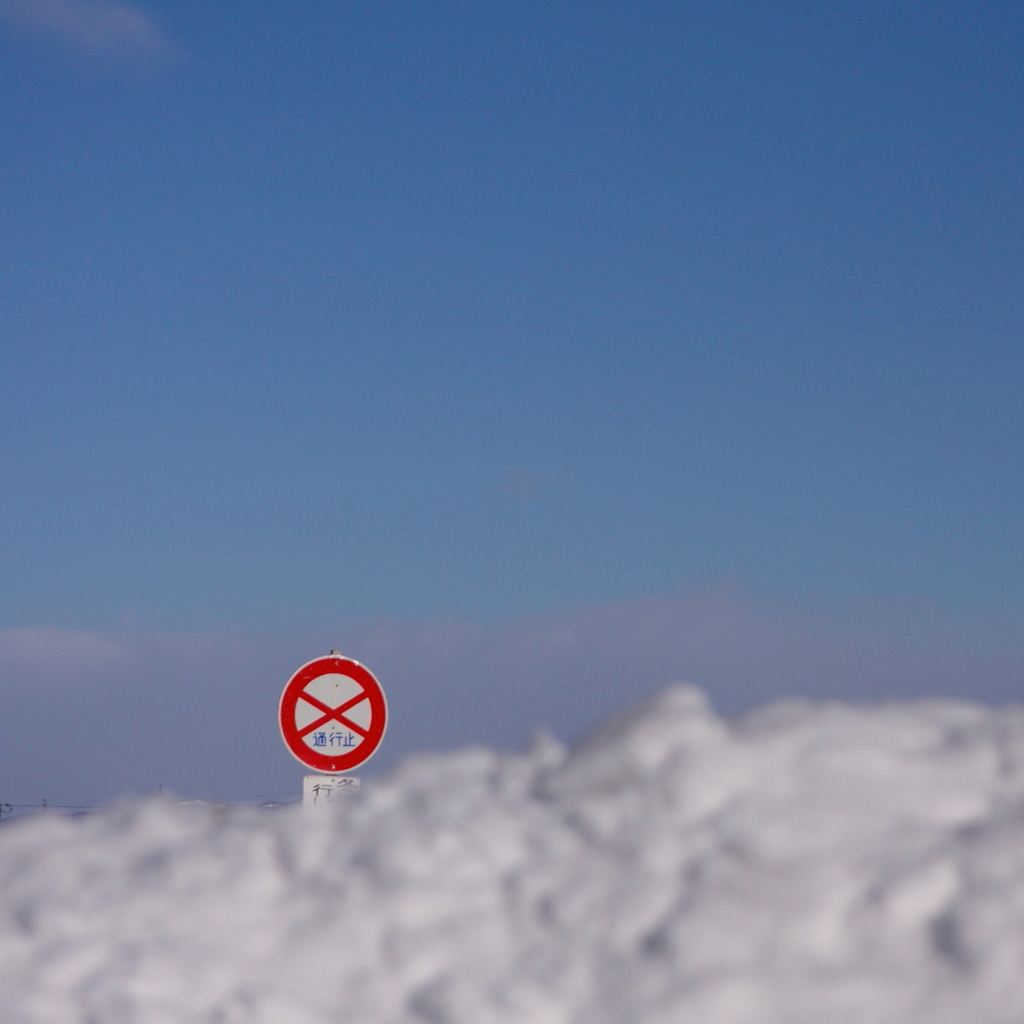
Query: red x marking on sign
(337,714)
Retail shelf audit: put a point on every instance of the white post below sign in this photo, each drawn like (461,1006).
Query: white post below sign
(319,790)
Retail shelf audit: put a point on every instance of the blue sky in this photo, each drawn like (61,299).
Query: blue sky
(485,312)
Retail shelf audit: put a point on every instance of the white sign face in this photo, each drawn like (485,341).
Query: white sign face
(334,736)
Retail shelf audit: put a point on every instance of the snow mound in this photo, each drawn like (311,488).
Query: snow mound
(808,864)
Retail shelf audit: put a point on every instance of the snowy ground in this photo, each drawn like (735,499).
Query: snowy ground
(808,864)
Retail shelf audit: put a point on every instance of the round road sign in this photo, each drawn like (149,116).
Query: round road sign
(332,714)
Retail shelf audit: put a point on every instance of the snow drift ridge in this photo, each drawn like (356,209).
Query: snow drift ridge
(819,863)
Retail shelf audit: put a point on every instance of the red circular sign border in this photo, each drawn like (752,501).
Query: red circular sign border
(290,697)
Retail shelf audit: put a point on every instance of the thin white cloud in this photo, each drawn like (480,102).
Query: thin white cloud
(32,655)
(102,27)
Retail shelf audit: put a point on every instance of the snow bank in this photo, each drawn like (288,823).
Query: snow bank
(816,863)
